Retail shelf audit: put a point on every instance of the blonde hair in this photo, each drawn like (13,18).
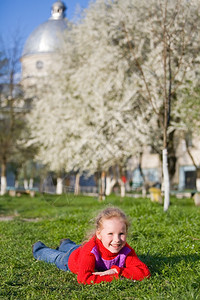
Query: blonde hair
(106,214)
(109,213)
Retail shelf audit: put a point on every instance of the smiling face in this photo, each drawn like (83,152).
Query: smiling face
(112,234)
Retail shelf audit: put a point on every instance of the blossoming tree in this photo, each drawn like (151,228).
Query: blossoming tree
(122,68)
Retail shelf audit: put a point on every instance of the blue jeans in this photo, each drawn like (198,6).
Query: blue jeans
(58,256)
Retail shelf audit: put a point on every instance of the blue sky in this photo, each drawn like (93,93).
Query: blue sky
(25,15)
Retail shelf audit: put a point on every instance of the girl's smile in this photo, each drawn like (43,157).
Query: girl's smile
(113,234)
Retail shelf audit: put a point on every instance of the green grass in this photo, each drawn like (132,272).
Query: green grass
(169,243)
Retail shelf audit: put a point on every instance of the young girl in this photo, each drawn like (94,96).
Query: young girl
(106,256)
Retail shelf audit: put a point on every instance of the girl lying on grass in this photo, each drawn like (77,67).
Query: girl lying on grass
(106,256)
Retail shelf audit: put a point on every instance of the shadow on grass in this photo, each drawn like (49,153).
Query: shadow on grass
(157,263)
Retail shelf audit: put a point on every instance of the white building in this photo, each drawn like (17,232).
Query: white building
(40,47)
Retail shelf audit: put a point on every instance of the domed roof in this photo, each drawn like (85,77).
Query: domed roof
(46,37)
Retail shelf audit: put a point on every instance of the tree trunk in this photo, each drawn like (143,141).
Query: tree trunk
(167,107)
(197,195)
(166,180)
(26,184)
(77,186)
(172,159)
(198,180)
(122,188)
(25,178)
(102,186)
(59,186)
(31,183)
(109,185)
(3,178)
(16,183)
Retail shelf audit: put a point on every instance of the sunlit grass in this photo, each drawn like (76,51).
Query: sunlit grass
(169,243)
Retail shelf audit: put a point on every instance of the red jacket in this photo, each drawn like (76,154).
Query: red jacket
(82,262)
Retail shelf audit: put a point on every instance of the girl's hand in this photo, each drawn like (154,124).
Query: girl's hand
(107,272)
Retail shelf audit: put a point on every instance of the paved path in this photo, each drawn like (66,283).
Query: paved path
(10,218)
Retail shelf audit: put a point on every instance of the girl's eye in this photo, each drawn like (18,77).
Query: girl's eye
(122,233)
(110,233)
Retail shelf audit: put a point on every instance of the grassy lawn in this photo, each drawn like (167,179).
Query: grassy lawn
(169,243)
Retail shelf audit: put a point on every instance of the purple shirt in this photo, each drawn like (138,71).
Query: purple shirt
(103,264)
